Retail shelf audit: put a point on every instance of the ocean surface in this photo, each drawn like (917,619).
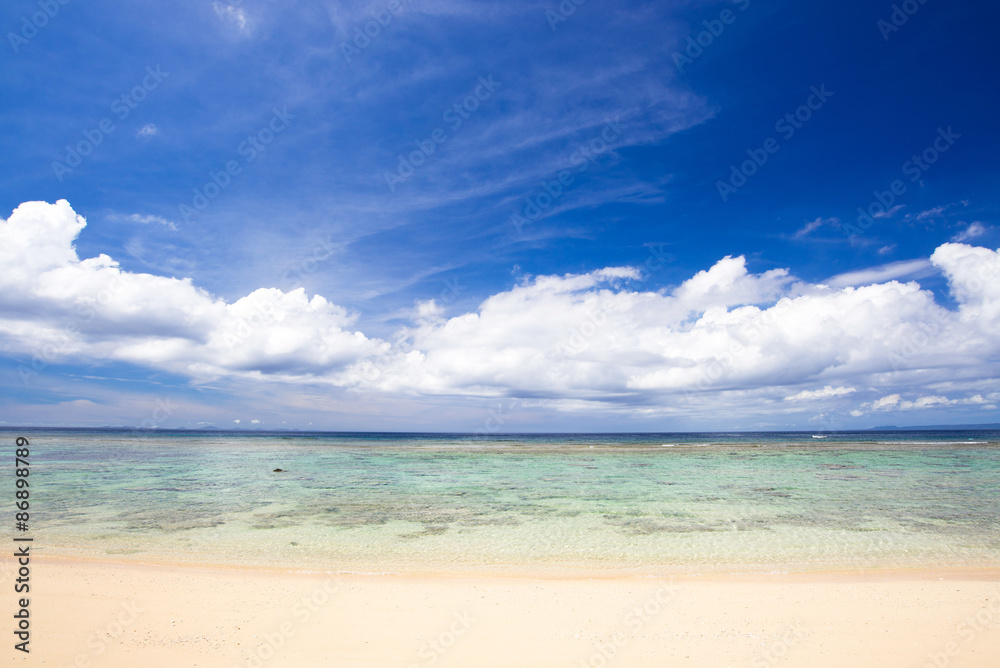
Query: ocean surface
(594,503)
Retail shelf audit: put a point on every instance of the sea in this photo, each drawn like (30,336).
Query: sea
(550,504)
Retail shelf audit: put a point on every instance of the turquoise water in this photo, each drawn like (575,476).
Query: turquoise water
(378,503)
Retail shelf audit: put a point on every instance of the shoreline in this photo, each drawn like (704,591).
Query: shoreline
(985,573)
(119,613)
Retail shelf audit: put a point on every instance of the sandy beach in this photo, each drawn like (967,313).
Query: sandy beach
(90,613)
(555,334)
(437,553)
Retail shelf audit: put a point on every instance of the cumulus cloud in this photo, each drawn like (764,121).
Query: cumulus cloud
(148,130)
(725,338)
(894,402)
(59,306)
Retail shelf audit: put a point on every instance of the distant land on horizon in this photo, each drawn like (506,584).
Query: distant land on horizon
(940,427)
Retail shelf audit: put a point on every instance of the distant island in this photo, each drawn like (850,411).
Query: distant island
(938,427)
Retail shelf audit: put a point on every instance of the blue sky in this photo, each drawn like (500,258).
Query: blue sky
(411,178)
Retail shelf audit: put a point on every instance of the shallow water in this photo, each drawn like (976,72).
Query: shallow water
(601,503)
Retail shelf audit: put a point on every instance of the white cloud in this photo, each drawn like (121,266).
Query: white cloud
(234,15)
(825,393)
(886,272)
(724,340)
(931,213)
(890,213)
(145,220)
(884,403)
(934,213)
(974,278)
(894,402)
(973,231)
(728,283)
(814,225)
(148,130)
(810,227)
(156,321)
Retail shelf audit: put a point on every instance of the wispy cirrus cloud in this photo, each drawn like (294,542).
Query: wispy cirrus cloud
(232,14)
(813,225)
(146,220)
(974,230)
(919,268)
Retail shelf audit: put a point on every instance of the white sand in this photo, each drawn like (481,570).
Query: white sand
(106,614)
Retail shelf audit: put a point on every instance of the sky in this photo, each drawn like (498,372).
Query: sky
(417,215)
